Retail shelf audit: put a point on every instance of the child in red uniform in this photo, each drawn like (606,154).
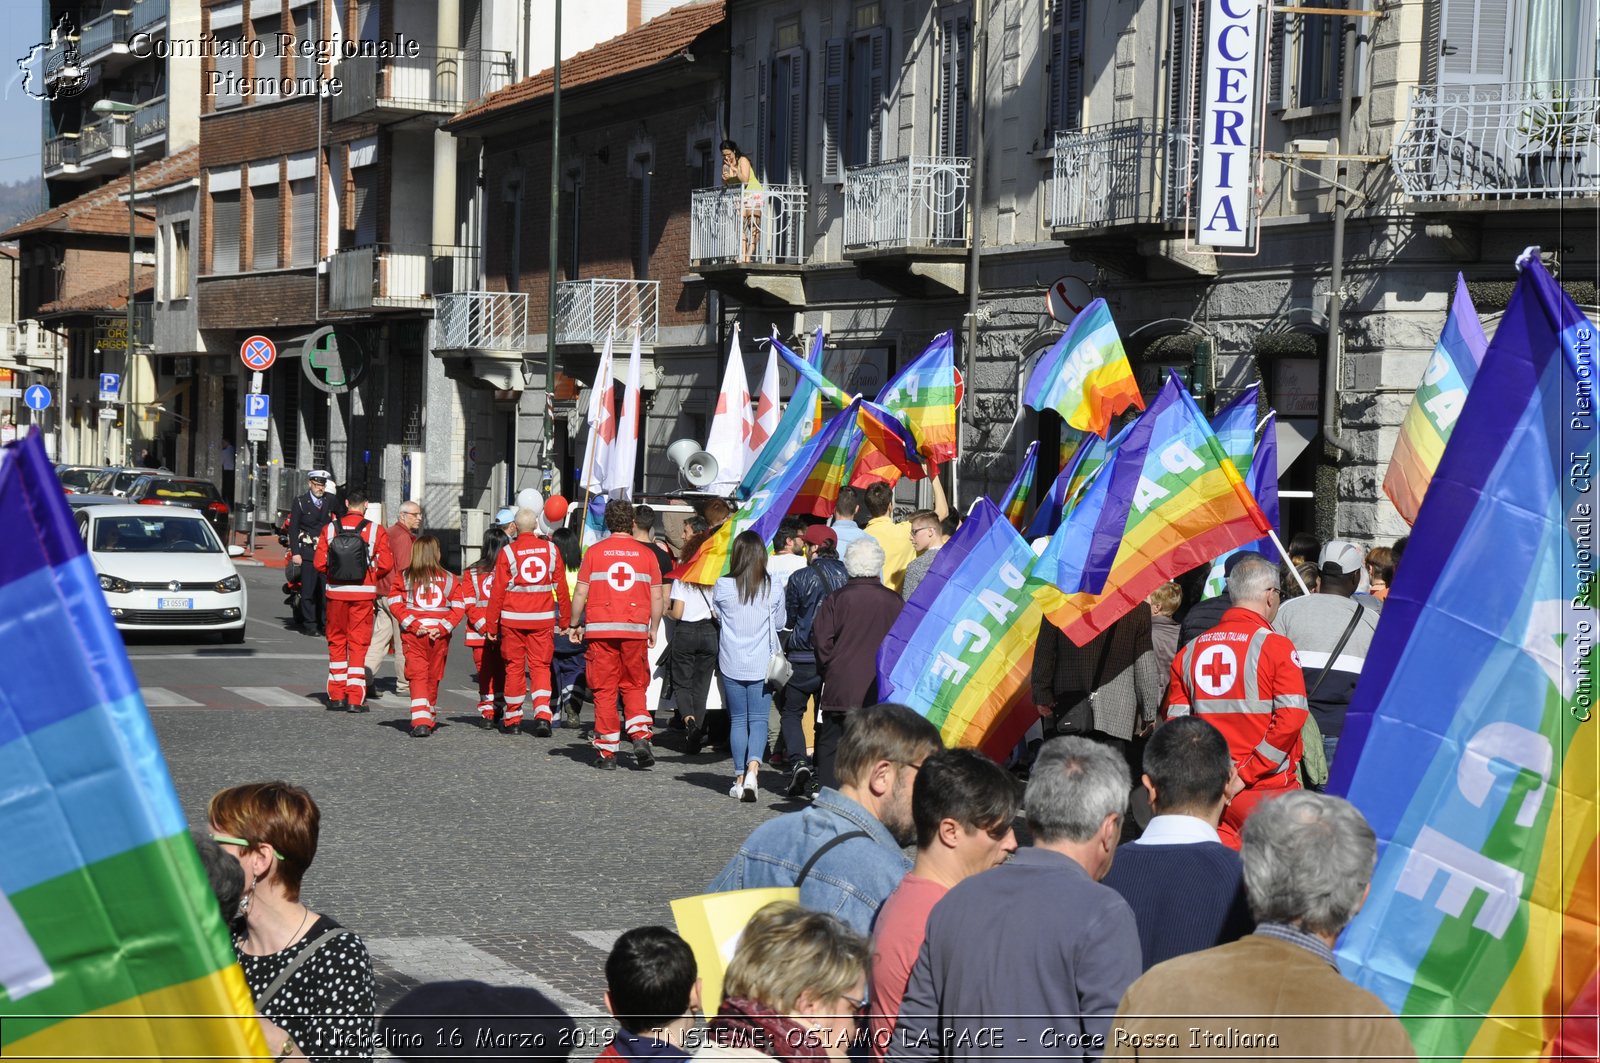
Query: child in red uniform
(429,604)
(486,659)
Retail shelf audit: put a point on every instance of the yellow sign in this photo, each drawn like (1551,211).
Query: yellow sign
(712,922)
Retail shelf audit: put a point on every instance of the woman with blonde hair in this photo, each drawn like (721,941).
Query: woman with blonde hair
(428,603)
(796,989)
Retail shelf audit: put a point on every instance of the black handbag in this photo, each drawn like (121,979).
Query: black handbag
(1079,720)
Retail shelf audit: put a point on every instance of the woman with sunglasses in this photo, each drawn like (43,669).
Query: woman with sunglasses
(796,989)
(308,974)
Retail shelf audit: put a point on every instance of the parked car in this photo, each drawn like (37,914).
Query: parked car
(77,479)
(117,481)
(164,570)
(182,491)
(83,501)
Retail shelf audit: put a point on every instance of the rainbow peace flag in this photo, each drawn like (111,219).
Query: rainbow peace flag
(801,419)
(1469,744)
(1015,500)
(1262,480)
(886,432)
(1175,500)
(924,394)
(765,509)
(819,492)
(1439,400)
(111,943)
(1073,479)
(961,652)
(1085,376)
(812,374)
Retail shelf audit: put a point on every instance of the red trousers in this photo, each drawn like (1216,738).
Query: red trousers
(349,635)
(618,666)
(527,651)
(491,669)
(1239,809)
(424,671)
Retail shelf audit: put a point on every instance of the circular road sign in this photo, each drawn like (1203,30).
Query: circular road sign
(332,360)
(258,353)
(961,387)
(1066,299)
(37,397)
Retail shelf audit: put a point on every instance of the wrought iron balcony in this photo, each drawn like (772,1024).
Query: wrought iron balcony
(1516,141)
(1120,173)
(587,310)
(406,276)
(729,225)
(481,321)
(100,35)
(61,155)
(913,202)
(101,138)
(438,81)
(147,13)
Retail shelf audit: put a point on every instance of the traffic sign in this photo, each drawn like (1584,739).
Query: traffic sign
(961,387)
(107,413)
(110,384)
(10,393)
(1066,299)
(258,353)
(257,408)
(255,435)
(37,397)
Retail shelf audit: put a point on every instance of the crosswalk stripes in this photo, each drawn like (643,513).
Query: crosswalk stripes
(162,698)
(599,939)
(274,697)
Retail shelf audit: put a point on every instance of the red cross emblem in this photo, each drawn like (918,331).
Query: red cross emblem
(1215,669)
(620,576)
(430,596)
(532,569)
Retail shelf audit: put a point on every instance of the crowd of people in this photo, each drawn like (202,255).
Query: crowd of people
(1185,743)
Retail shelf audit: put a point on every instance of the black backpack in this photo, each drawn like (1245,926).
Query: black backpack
(347,555)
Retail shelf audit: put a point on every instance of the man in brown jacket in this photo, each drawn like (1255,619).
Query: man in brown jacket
(385,629)
(850,626)
(1276,993)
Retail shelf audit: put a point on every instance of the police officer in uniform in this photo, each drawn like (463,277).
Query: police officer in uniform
(308,515)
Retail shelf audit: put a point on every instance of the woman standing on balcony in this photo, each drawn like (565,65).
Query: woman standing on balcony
(738,170)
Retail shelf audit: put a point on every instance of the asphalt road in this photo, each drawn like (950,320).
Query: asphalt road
(468,854)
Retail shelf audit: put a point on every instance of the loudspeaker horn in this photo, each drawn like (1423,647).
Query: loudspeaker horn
(697,468)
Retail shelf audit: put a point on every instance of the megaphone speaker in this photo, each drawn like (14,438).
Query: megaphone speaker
(697,468)
(680,451)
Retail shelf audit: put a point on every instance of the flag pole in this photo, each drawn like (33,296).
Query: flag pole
(1285,554)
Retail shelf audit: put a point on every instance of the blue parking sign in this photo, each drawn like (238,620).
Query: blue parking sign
(110,384)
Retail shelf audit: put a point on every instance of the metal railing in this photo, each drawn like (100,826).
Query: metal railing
(586,310)
(919,201)
(102,34)
(376,276)
(111,133)
(1524,140)
(437,80)
(481,321)
(147,13)
(732,225)
(60,153)
(150,120)
(1121,172)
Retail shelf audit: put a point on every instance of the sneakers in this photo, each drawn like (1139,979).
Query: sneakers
(421,730)
(800,783)
(736,791)
(337,705)
(748,795)
(541,729)
(643,755)
(605,763)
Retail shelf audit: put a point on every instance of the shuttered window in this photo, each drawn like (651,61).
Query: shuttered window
(641,217)
(269,67)
(226,25)
(225,231)
(305,30)
(178,261)
(364,208)
(1184,62)
(265,225)
(855,79)
(955,66)
(303,222)
(833,109)
(781,121)
(1066,63)
(1475,42)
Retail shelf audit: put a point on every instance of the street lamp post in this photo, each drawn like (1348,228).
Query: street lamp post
(126,111)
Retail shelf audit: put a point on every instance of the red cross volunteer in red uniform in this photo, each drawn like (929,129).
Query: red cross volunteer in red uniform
(353,554)
(617,610)
(428,604)
(1242,678)
(528,603)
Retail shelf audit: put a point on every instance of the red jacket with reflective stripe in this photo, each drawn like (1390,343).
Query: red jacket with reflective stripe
(379,559)
(480,588)
(1242,677)
(621,574)
(530,587)
(439,603)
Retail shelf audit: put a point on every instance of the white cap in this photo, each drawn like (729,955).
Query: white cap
(319,474)
(1340,557)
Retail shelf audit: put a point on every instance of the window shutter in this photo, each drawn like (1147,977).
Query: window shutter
(763,119)
(1280,57)
(877,92)
(303,225)
(947,78)
(1058,64)
(225,232)
(1072,65)
(367,20)
(797,117)
(264,226)
(366,206)
(954,68)
(305,29)
(833,109)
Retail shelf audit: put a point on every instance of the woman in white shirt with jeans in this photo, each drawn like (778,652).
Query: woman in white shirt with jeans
(750,606)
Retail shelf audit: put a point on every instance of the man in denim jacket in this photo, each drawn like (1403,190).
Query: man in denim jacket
(879,755)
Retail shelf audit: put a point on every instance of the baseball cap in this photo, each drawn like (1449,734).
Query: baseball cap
(820,535)
(1341,558)
(319,474)
(505,516)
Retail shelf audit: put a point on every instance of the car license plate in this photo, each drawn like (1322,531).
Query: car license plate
(175,603)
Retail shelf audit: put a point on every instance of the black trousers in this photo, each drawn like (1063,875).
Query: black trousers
(830,728)
(805,682)
(313,606)
(694,665)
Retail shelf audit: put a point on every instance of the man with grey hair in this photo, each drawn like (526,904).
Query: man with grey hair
(1030,958)
(1242,678)
(1308,862)
(850,625)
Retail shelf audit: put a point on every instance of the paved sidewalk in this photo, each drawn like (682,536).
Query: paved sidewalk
(266,550)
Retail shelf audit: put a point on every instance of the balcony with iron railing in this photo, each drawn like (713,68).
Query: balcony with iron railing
(438,81)
(732,226)
(102,142)
(1494,142)
(1120,173)
(915,202)
(398,276)
(588,309)
(101,35)
(61,156)
(146,15)
(481,322)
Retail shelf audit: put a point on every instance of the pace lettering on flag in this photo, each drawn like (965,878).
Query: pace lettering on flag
(1437,405)
(961,652)
(1469,744)
(1085,376)
(111,942)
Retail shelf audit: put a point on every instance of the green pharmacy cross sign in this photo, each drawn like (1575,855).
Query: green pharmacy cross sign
(333,361)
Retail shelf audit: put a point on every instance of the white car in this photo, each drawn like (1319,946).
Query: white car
(164,569)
